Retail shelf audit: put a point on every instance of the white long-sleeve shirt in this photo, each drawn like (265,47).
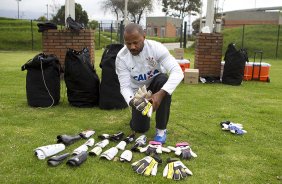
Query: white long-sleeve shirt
(135,71)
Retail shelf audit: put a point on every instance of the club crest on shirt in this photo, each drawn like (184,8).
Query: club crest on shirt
(151,61)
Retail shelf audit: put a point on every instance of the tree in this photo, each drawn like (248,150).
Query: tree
(181,8)
(81,16)
(93,24)
(115,6)
(42,19)
(136,8)
(196,26)
(54,7)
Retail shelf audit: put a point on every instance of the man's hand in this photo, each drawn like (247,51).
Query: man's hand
(143,93)
(157,98)
(140,101)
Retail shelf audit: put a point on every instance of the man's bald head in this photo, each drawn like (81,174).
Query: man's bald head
(131,27)
(134,37)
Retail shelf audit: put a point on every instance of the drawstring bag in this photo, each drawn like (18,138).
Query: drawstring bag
(42,80)
(73,25)
(110,96)
(234,66)
(81,79)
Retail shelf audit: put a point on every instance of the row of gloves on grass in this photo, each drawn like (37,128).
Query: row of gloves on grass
(182,149)
(174,169)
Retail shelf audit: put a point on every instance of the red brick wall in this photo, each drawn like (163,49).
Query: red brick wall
(58,41)
(170,30)
(208,54)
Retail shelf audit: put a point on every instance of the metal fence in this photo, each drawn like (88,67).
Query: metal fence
(265,38)
(111,33)
(23,34)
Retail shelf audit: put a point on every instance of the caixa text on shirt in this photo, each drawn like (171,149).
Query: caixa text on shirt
(146,76)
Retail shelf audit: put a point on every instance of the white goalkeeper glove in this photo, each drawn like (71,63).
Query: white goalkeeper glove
(176,170)
(141,102)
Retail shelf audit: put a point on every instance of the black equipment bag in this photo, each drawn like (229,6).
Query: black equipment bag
(81,79)
(45,26)
(42,80)
(73,25)
(110,96)
(234,66)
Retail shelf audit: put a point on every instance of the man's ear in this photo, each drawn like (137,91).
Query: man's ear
(144,36)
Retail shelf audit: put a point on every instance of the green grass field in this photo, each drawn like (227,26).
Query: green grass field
(196,112)
(17,35)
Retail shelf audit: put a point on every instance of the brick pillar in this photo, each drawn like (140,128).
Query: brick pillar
(58,41)
(208,54)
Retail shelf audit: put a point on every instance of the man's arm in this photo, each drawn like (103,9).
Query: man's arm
(175,73)
(157,98)
(124,80)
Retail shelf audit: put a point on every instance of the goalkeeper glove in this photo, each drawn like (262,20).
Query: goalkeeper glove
(49,150)
(154,148)
(121,145)
(86,134)
(233,127)
(97,150)
(56,160)
(146,166)
(77,160)
(139,142)
(141,103)
(115,137)
(183,149)
(126,156)
(176,170)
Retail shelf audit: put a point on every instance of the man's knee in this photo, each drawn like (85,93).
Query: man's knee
(158,82)
(162,78)
(139,129)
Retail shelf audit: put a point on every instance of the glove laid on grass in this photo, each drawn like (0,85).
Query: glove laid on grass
(110,153)
(84,147)
(139,143)
(183,150)
(140,101)
(97,150)
(121,145)
(146,166)
(126,156)
(49,150)
(86,134)
(56,160)
(77,160)
(233,127)
(154,147)
(176,170)
(115,137)
(68,139)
